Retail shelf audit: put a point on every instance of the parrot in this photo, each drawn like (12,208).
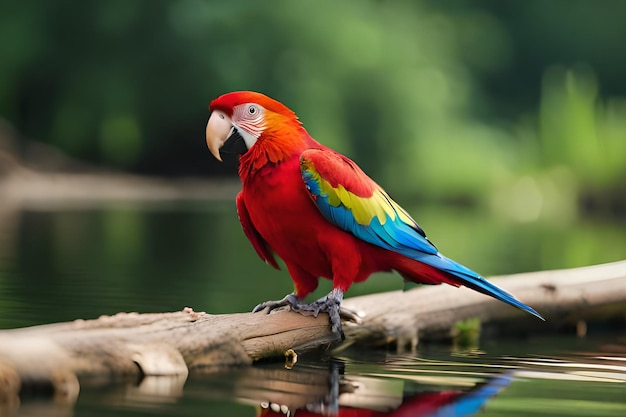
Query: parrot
(320,213)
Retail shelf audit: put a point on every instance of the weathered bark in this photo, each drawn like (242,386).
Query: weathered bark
(133,344)
(560,296)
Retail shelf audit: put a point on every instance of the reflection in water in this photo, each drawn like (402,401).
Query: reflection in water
(310,390)
(157,389)
(438,384)
(362,396)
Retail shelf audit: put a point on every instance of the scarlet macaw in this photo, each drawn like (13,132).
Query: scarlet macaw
(320,213)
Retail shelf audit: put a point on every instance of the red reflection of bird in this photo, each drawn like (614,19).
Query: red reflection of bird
(450,403)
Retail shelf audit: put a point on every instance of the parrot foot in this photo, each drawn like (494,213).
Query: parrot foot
(330,304)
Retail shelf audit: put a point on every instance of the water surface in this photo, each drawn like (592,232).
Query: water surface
(586,379)
(82,262)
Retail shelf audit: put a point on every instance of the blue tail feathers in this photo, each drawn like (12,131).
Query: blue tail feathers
(472,280)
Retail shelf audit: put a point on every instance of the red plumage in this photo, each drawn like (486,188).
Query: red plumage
(285,220)
(320,212)
(278,215)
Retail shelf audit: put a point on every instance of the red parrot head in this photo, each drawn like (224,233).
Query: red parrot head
(253,116)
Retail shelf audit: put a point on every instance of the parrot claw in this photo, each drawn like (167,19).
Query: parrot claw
(330,304)
(290,300)
(350,315)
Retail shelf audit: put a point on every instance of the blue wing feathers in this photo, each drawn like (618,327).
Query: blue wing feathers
(398,235)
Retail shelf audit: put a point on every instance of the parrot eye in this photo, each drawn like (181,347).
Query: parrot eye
(252,110)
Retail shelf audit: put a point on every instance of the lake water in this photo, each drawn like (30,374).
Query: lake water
(68,262)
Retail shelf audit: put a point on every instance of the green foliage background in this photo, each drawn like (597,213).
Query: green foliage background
(516,106)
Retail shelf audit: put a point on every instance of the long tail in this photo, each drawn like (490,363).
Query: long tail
(435,269)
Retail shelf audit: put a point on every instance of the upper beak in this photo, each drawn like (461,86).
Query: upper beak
(218,129)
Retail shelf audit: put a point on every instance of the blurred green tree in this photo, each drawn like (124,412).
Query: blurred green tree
(437,100)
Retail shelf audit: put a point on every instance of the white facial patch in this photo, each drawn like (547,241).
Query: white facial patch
(250,122)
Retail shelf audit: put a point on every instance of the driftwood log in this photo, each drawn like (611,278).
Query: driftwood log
(58,356)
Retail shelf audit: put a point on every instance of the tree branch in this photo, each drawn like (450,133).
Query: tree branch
(132,344)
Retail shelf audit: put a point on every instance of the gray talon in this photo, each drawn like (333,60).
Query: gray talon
(349,315)
(290,300)
(330,304)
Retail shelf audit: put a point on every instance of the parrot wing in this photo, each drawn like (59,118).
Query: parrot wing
(351,200)
(260,245)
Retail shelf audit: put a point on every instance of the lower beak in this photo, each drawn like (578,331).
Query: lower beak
(218,129)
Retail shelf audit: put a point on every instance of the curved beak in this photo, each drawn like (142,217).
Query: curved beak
(218,129)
